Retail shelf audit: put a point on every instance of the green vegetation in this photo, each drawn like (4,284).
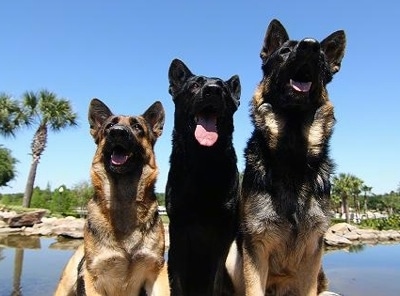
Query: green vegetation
(7,166)
(392,222)
(61,201)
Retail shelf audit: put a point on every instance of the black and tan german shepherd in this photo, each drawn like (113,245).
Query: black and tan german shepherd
(123,250)
(286,183)
(202,188)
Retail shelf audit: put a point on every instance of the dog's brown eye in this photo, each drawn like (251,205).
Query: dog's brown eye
(284,50)
(194,86)
(137,127)
(109,125)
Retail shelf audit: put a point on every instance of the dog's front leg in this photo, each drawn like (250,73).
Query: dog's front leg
(266,121)
(255,275)
(321,129)
(160,287)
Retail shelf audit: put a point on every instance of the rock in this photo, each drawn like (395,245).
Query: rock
(353,236)
(328,293)
(8,214)
(3,224)
(8,230)
(25,219)
(332,239)
(367,234)
(342,228)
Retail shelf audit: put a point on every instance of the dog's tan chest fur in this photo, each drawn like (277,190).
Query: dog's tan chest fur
(120,273)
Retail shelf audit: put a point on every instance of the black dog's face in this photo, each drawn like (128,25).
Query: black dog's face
(125,143)
(299,70)
(204,106)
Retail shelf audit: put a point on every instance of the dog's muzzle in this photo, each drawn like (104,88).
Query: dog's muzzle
(118,142)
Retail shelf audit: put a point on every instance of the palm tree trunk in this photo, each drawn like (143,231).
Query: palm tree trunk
(346,208)
(365,204)
(26,202)
(38,145)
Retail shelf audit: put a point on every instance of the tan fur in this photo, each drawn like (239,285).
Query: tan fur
(268,119)
(320,129)
(124,236)
(67,284)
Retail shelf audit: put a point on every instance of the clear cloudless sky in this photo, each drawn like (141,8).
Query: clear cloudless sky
(120,52)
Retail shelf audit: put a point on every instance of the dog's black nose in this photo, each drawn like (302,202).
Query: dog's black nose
(118,131)
(212,90)
(308,45)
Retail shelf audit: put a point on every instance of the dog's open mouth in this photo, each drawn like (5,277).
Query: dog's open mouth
(206,128)
(300,86)
(301,81)
(119,156)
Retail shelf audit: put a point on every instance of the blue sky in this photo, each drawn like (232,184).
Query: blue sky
(120,52)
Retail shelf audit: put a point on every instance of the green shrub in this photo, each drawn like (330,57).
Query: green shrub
(392,222)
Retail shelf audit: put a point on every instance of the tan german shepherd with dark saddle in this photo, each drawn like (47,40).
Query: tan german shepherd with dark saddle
(284,207)
(123,250)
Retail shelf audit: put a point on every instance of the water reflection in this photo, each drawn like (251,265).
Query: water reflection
(31,266)
(356,248)
(19,243)
(42,267)
(18,262)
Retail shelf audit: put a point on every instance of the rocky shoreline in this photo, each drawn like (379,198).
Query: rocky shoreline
(36,224)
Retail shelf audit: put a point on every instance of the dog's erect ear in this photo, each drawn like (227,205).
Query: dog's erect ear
(98,113)
(155,116)
(333,46)
(235,89)
(178,74)
(275,36)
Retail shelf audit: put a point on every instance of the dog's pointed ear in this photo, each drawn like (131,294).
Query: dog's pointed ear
(275,36)
(235,89)
(334,46)
(98,113)
(155,116)
(178,74)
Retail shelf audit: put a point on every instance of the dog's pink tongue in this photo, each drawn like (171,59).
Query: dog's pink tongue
(301,86)
(118,158)
(206,131)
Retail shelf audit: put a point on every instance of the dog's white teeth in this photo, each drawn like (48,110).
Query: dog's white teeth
(300,86)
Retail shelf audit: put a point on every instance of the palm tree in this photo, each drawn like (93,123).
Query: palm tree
(47,111)
(356,184)
(12,116)
(366,189)
(346,185)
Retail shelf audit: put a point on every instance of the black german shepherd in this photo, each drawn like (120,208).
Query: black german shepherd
(203,182)
(286,187)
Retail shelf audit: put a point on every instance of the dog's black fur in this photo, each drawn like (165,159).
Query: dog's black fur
(286,187)
(202,187)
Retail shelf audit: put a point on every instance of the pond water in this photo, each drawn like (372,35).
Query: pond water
(31,266)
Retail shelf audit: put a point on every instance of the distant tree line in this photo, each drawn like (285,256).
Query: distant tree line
(61,201)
